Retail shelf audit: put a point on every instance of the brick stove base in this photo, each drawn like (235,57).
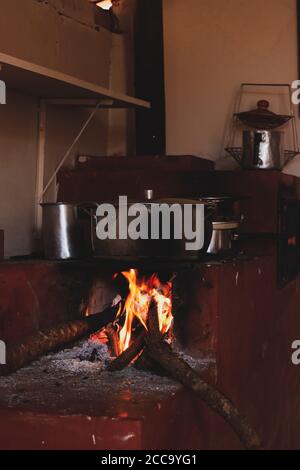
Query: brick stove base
(61,411)
(238,315)
(45,407)
(162,424)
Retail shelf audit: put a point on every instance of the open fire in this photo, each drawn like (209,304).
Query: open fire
(133,313)
(135,329)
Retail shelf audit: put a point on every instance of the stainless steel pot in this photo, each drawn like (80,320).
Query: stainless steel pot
(63,232)
(146,248)
(263,149)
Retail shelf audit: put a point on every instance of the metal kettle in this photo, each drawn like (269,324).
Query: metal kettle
(263,144)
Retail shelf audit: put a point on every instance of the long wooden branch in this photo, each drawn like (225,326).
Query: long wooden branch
(54,340)
(162,353)
(145,363)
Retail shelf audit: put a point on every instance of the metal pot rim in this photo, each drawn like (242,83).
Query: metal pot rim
(46,204)
(216,199)
(225,225)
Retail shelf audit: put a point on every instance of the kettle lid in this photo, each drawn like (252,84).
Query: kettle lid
(262,117)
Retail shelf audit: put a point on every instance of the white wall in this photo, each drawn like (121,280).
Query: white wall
(34,31)
(121,137)
(63,124)
(18,132)
(211,46)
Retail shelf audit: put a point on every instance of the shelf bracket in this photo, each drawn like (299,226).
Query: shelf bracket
(42,189)
(41,152)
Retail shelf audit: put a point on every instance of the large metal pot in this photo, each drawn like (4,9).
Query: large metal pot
(161,248)
(63,232)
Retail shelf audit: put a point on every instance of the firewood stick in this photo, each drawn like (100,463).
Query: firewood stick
(163,354)
(145,363)
(125,359)
(55,340)
(113,339)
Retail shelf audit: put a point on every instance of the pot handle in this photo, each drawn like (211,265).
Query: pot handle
(86,206)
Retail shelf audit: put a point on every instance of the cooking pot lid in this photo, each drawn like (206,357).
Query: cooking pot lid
(262,117)
(181,201)
(150,202)
(225,225)
(49,204)
(220,199)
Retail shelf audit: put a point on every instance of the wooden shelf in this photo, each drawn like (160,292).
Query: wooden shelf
(33,79)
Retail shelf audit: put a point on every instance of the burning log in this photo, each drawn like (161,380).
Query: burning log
(112,336)
(55,339)
(162,353)
(122,361)
(149,302)
(145,363)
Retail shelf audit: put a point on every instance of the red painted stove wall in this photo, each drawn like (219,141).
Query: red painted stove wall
(107,178)
(240,316)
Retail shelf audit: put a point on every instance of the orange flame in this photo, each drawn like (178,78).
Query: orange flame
(138,302)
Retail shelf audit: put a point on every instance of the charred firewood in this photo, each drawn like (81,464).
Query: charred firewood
(113,341)
(125,359)
(55,340)
(162,353)
(145,363)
